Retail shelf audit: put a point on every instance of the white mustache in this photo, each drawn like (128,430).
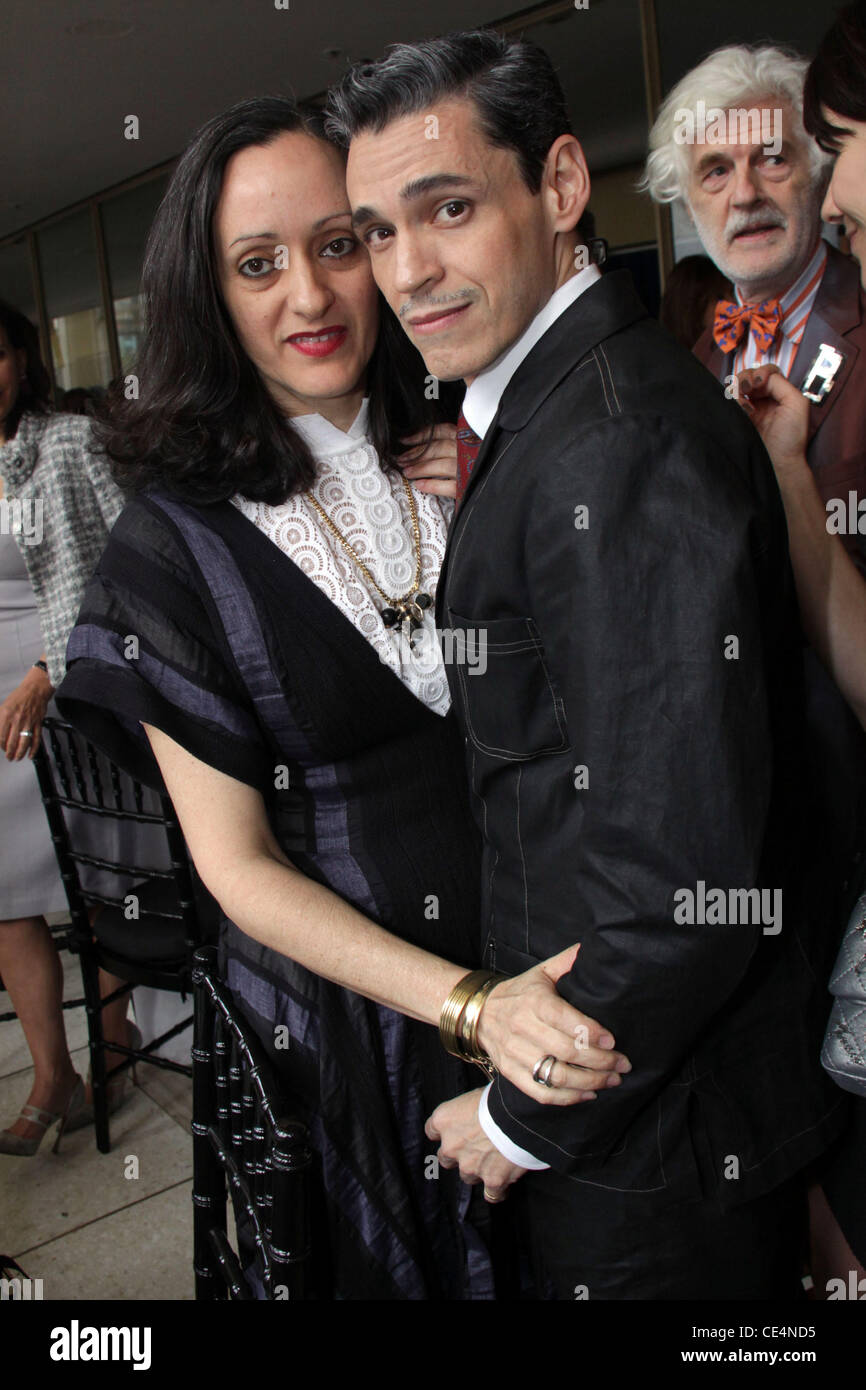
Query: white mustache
(746,222)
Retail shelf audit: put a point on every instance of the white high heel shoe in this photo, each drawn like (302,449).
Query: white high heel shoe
(69,1118)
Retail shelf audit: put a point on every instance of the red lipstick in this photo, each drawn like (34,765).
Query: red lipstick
(321,343)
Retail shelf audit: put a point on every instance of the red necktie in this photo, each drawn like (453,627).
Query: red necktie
(732,320)
(468,445)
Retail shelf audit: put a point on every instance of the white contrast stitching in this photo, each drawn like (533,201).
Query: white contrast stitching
(610,377)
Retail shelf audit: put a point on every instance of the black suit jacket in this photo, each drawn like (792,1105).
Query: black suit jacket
(637,732)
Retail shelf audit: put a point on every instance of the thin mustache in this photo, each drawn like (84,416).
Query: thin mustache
(414,308)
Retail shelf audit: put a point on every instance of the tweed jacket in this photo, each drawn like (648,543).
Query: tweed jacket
(69,502)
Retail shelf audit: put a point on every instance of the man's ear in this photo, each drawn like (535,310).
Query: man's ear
(565,184)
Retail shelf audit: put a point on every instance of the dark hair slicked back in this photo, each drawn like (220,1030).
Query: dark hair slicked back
(515,90)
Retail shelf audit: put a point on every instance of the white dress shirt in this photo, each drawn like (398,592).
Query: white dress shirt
(480,405)
(482,398)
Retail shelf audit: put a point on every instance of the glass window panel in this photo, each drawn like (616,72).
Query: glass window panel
(70,276)
(598,57)
(688,33)
(16,281)
(126,221)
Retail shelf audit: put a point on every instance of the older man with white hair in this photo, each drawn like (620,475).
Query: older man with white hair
(729,142)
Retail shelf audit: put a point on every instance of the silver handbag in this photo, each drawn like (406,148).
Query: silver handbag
(843,1054)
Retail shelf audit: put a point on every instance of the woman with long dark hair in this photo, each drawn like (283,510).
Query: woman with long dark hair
(264,611)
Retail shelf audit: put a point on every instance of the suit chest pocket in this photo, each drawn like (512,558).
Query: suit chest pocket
(510,709)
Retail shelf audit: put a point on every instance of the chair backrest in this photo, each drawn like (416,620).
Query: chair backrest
(93,809)
(242,1138)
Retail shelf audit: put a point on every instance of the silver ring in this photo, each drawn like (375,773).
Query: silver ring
(542,1069)
(26,733)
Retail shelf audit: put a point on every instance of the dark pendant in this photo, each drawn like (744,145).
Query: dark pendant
(409,610)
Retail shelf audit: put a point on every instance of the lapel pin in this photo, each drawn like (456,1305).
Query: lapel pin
(822,373)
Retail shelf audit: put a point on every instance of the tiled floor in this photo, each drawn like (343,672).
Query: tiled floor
(92,1225)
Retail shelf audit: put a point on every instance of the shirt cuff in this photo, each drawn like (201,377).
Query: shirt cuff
(501,1141)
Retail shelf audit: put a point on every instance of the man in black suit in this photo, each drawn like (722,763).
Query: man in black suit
(633,742)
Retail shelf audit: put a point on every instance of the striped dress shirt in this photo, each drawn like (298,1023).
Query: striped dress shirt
(796,305)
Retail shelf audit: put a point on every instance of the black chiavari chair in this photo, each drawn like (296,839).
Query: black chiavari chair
(147,929)
(244,1142)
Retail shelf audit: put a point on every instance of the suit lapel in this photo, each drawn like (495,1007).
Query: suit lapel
(835,312)
(707,350)
(608,305)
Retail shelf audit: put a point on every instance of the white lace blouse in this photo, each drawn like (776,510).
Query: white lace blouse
(370,509)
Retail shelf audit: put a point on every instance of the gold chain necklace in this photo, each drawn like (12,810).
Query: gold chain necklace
(408,608)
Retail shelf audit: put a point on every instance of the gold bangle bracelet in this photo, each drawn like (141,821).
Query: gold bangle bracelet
(458,1022)
(471,1015)
(452,1010)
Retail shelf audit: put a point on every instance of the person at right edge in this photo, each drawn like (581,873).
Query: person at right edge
(797,301)
(832,595)
(635,746)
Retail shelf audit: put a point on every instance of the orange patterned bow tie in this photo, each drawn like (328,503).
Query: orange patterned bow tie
(732,320)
